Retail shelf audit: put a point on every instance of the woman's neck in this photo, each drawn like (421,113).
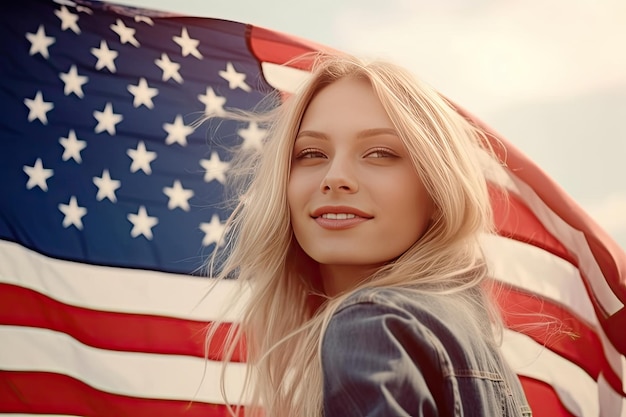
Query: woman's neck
(337,279)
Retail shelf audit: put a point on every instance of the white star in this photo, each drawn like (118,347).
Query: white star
(144,19)
(213,104)
(106,56)
(188,45)
(38,175)
(69,20)
(142,223)
(73,82)
(215,168)
(252,136)
(179,197)
(213,231)
(143,93)
(235,79)
(107,119)
(170,69)
(39,42)
(106,186)
(141,158)
(126,34)
(73,214)
(72,147)
(37,108)
(177,132)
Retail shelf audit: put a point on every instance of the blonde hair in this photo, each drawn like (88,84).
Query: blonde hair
(282,330)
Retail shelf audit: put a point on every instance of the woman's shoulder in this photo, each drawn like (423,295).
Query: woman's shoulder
(431,317)
(432,334)
(400,300)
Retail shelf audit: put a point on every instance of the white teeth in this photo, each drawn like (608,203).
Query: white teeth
(338,216)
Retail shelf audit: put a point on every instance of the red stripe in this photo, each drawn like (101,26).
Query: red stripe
(49,393)
(513,219)
(543,400)
(607,254)
(279,48)
(110,330)
(610,257)
(559,330)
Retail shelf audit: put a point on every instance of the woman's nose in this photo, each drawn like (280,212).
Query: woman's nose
(340,177)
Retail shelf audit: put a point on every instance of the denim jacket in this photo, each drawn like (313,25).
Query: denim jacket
(389,352)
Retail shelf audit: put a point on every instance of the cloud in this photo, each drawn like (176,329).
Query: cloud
(502,51)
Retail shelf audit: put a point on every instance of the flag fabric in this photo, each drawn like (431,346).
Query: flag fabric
(112,197)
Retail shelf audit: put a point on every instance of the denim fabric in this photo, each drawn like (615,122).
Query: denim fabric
(388,352)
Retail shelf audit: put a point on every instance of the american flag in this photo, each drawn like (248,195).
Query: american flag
(113,196)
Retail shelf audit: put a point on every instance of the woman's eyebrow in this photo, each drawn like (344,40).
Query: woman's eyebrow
(377,132)
(312,134)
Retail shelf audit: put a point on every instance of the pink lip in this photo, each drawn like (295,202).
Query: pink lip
(317,213)
(338,224)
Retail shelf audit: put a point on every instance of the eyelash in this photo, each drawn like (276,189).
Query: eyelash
(386,153)
(309,153)
(313,152)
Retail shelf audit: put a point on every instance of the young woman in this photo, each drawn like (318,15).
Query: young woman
(357,236)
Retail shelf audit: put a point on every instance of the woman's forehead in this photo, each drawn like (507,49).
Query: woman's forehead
(348,102)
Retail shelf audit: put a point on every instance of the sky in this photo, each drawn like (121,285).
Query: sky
(550,76)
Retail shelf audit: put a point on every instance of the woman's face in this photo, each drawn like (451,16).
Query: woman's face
(355,198)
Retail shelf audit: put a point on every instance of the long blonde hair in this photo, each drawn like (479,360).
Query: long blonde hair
(282,328)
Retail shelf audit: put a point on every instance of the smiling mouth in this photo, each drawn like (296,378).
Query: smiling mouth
(338,216)
(339,221)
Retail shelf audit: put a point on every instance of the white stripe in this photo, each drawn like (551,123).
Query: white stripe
(118,289)
(616,361)
(575,241)
(572,239)
(577,391)
(539,272)
(611,403)
(282,77)
(128,373)
(622,375)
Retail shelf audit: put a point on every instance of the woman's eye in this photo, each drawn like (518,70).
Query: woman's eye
(380,153)
(310,153)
